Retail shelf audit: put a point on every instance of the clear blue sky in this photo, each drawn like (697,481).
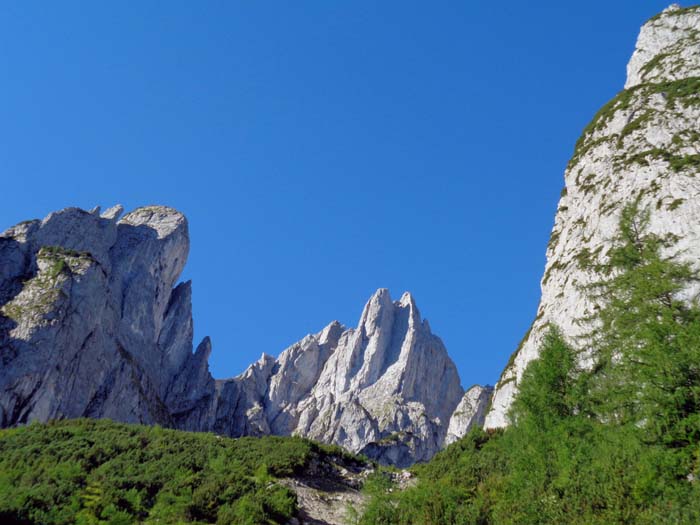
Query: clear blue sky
(320,149)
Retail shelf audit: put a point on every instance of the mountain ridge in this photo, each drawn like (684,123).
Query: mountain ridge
(95,324)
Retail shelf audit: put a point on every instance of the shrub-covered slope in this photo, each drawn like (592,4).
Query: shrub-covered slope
(97,471)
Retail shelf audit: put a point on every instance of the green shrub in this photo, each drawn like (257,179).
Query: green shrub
(100,472)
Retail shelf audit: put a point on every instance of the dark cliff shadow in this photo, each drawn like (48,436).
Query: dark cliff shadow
(16,266)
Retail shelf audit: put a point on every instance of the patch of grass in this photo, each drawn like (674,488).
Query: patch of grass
(587,184)
(649,66)
(394,437)
(675,204)
(688,137)
(634,125)
(556,265)
(61,260)
(676,162)
(642,158)
(553,240)
(583,258)
(685,91)
(60,251)
(583,146)
(680,163)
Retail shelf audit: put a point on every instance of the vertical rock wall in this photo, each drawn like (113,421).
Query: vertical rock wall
(644,143)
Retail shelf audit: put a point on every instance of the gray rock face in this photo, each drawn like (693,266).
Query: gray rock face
(94,324)
(88,315)
(645,143)
(389,382)
(470,413)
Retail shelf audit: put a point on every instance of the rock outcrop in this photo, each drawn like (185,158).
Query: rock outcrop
(89,322)
(93,323)
(645,144)
(470,412)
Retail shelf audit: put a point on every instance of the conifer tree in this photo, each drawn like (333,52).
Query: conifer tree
(648,338)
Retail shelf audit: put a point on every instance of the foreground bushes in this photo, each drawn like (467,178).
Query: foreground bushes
(94,472)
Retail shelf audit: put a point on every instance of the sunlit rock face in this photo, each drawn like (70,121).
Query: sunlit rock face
(386,389)
(388,381)
(645,143)
(90,321)
(93,323)
(469,413)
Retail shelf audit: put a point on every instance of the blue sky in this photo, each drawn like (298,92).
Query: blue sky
(320,150)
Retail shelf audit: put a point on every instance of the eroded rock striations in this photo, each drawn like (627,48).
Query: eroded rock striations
(644,143)
(93,324)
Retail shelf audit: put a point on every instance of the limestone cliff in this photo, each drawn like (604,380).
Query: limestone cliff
(644,143)
(90,324)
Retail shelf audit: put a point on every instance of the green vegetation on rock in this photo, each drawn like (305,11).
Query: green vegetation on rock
(684,92)
(45,288)
(676,12)
(676,162)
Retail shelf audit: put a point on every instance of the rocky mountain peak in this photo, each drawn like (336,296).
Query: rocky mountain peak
(90,321)
(407,301)
(377,313)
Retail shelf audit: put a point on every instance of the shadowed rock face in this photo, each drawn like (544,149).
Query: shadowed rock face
(643,144)
(93,323)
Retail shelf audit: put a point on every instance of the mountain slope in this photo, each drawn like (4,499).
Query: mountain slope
(645,143)
(87,471)
(90,324)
